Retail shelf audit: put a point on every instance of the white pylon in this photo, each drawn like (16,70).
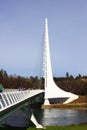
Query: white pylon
(52,91)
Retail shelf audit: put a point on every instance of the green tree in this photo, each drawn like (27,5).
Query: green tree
(67,74)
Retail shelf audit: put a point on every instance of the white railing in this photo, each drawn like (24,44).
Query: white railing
(10,90)
(10,97)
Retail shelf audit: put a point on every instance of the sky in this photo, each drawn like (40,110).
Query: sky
(22,34)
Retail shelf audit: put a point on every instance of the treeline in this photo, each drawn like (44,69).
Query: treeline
(77,85)
(74,85)
(14,82)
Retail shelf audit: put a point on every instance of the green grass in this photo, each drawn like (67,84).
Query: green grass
(73,127)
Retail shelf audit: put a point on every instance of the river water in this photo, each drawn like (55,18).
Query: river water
(48,117)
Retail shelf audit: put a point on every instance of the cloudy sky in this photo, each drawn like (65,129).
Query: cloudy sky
(22,32)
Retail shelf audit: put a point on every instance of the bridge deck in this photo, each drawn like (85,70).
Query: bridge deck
(11,97)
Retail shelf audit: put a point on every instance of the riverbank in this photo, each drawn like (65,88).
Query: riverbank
(72,127)
(81,106)
(80,103)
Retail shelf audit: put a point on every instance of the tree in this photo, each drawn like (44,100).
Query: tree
(67,74)
(79,76)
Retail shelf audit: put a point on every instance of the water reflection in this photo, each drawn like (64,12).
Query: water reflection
(63,117)
(49,117)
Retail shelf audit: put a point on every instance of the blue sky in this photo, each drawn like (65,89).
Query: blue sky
(22,31)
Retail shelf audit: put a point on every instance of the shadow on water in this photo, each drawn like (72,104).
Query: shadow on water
(47,117)
(17,119)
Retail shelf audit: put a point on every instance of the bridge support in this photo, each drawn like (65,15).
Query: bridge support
(33,119)
(27,110)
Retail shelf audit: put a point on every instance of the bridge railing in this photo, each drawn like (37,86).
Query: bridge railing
(10,90)
(11,97)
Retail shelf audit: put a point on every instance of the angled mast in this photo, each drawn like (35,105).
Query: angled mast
(48,68)
(53,94)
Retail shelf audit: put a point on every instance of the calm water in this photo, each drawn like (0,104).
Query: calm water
(49,117)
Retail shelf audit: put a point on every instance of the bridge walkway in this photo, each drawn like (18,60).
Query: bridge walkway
(11,97)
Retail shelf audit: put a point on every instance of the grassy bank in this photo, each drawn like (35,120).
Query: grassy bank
(71,106)
(73,127)
(80,103)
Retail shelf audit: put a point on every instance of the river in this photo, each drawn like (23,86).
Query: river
(48,117)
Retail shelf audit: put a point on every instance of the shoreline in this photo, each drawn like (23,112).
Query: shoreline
(80,104)
(76,106)
(71,127)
